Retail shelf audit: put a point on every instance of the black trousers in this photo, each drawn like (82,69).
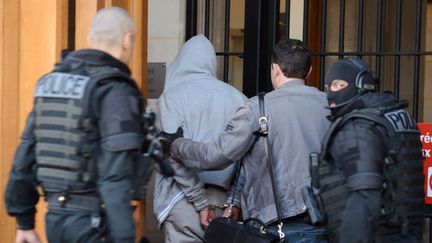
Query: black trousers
(71,226)
(391,238)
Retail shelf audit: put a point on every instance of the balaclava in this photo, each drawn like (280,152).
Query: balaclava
(343,70)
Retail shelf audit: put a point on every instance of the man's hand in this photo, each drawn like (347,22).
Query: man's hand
(26,236)
(232,212)
(206,216)
(166,139)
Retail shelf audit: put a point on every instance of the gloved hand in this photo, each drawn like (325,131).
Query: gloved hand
(166,139)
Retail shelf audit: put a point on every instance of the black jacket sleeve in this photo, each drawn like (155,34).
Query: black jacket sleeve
(359,150)
(21,194)
(121,136)
(114,185)
(359,217)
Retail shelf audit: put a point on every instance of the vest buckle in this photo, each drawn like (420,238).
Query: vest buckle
(62,199)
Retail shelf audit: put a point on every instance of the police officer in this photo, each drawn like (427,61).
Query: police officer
(370,173)
(81,142)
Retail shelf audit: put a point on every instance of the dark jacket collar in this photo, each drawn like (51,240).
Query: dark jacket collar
(96,57)
(367,100)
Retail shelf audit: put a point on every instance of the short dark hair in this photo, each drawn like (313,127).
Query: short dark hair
(293,57)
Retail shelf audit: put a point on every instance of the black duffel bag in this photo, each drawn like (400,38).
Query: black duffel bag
(226,230)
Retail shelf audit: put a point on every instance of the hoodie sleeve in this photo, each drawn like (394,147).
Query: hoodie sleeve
(170,118)
(170,113)
(191,185)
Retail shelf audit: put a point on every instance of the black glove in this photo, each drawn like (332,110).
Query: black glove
(166,139)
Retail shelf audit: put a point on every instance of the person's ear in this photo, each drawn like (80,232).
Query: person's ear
(128,45)
(277,69)
(128,41)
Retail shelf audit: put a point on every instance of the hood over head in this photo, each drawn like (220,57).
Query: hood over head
(195,60)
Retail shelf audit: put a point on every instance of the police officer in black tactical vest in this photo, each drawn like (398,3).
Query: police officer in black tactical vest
(370,170)
(81,142)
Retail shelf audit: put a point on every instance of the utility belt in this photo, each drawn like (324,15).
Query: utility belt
(81,202)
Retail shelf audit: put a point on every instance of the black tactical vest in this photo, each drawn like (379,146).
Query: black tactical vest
(402,188)
(66,127)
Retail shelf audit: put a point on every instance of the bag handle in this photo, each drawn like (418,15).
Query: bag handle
(262,121)
(237,175)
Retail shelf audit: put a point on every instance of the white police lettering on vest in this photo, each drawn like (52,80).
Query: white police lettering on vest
(401,121)
(62,85)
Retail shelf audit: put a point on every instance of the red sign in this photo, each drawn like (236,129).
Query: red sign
(426,139)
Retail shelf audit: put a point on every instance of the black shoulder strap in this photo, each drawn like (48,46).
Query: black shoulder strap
(263,119)
(332,130)
(264,132)
(371,114)
(101,73)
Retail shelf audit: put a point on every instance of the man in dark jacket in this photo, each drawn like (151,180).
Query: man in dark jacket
(81,142)
(370,173)
(296,116)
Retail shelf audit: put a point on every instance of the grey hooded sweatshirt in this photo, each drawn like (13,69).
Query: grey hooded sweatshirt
(202,105)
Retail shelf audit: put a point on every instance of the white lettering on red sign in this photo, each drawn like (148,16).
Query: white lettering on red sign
(425,138)
(426,153)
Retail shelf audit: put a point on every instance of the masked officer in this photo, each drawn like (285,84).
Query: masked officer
(370,173)
(81,142)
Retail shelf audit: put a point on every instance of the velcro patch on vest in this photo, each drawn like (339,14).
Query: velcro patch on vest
(62,85)
(401,121)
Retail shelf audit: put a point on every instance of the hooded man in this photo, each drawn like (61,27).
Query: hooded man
(370,172)
(195,100)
